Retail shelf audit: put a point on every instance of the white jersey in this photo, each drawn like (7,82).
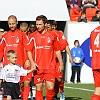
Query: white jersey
(12,73)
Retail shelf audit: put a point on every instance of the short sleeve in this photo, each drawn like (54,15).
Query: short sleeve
(2,73)
(56,44)
(25,39)
(23,72)
(63,41)
(30,45)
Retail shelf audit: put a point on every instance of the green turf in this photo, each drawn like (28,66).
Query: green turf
(72,94)
(86,86)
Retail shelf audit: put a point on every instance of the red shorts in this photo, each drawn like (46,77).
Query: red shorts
(26,78)
(58,74)
(96,75)
(44,75)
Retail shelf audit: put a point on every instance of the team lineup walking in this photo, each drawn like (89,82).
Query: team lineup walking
(33,53)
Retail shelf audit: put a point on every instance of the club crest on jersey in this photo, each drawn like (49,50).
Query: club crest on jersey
(48,39)
(16,70)
(17,40)
(63,37)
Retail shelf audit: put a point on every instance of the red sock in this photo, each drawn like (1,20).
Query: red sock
(95,97)
(39,95)
(22,91)
(3,93)
(56,88)
(26,92)
(49,94)
(4,98)
(61,86)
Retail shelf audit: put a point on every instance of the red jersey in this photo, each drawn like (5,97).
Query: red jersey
(14,40)
(95,47)
(44,45)
(62,40)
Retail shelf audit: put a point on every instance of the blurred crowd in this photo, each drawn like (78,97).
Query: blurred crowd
(83,10)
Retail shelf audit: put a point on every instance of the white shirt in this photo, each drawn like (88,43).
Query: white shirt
(12,73)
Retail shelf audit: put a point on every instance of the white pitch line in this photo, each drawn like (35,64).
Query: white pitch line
(82,89)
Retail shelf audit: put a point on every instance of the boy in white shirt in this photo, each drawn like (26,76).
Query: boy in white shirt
(11,75)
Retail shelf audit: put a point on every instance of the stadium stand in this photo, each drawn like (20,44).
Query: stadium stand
(73,15)
(90,12)
(99,4)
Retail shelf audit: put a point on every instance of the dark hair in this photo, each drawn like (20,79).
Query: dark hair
(50,22)
(32,23)
(83,13)
(76,41)
(97,11)
(10,52)
(42,17)
(54,23)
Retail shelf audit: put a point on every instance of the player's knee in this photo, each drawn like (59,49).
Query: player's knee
(26,83)
(59,79)
(50,87)
(97,90)
(38,87)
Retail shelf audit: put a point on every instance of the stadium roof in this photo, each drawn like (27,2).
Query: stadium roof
(27,10)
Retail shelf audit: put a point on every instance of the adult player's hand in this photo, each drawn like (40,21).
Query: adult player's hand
(70,59)
(34,66)
(27,64)
(61,68)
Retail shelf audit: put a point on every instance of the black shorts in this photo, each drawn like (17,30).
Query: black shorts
(12,89)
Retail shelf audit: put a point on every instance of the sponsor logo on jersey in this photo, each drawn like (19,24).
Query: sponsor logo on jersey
(63,37)
(16,70)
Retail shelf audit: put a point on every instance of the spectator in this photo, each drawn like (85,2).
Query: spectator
(74,4)
(97,17)
(88,4)
(76,67)
(82,18)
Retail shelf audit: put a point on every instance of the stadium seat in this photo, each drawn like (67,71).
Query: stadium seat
(90,12)
(73,16)
(99,4)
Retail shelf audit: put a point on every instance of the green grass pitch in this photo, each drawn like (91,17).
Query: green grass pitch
(78,91)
